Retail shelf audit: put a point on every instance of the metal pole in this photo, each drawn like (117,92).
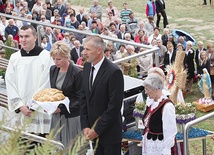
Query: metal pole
(189,124)
(39,35)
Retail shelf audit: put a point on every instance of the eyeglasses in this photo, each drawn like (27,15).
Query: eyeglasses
(43,18)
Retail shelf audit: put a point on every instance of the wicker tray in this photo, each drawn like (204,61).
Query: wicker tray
(204,107)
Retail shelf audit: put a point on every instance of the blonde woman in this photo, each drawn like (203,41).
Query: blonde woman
(204,62)
(67,78)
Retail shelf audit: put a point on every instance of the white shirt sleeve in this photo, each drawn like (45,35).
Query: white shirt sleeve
(169,127)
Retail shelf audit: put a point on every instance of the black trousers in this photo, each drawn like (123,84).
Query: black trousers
(205,2)
(165,21)
(113,149)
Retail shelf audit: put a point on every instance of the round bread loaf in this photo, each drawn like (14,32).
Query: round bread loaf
(49,95)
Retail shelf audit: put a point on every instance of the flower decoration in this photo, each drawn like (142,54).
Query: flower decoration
(185,108)
(138,111)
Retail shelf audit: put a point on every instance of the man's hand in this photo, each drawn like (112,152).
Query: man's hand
(25,110)
(86,131)
(92,134)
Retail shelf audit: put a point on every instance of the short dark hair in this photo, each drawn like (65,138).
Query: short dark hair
(26,27)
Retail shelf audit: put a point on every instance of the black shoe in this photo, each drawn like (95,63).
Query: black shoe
(212,97)
(204,4)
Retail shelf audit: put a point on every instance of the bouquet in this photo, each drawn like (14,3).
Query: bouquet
(139,108)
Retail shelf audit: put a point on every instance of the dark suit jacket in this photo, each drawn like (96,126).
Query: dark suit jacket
(119,35)
(83,19)
(166,58)
(61,10)
(71,88)
(159,6)
(104,102)
(196,57)
(74,55)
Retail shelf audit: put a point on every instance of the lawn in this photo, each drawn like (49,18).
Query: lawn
(190,16)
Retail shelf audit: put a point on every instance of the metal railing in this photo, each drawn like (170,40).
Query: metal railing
(188,125)
(151,49)
(58,145)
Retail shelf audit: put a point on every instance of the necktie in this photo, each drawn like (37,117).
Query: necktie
(91,78)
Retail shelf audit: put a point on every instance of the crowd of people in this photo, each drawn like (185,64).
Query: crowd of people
(94,98)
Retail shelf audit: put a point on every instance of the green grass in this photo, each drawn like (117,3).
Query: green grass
(190,16)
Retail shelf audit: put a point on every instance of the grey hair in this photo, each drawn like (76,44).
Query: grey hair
(97,41)
(154,81)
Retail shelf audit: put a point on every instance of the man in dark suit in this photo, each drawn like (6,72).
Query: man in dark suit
(59,6)
(122,32)
(160,9)
(101,99)
(76,51)
(80,17)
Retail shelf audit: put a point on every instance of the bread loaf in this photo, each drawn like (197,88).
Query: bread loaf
(49,95)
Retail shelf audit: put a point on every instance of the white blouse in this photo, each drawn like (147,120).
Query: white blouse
(161,147)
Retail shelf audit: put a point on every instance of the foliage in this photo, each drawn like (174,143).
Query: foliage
(8,51)
(2,73)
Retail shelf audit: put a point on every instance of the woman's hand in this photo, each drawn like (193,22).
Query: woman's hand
(57,111)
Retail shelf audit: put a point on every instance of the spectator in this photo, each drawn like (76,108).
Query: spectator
(60,7)
(66,38)
(17,23)
(13,43)
(149,26)
(27,73)
(107,53)
(182,41)
(113,28)
(17,8)
(74,22)
(22,13)
(132,24)
(48,13)
(160,54)
(30,4)
(94,28)
(109,19)
(204,62)
(122,32)
(57,32)
(124,14)
(80,36)
(51,38)
(111,9)
(198,52)
(97,9)
(165,36)
(11,29)
(8,11)
(141,27)
(160,9)
(55,13)
(76,51)
(140,34)
(145,62)
(170,55)
(156,34)
(56,19)
(119,54)
(150,8)
(85,27)
(44,44)
(69,8)
(80,17)
(189,65)
(49,6)
(171,39)
(66,77)
(37,6)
